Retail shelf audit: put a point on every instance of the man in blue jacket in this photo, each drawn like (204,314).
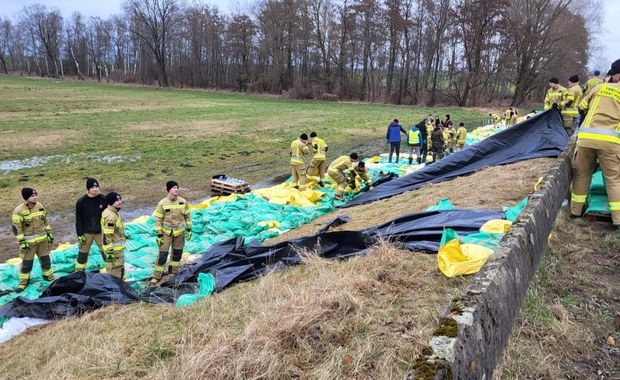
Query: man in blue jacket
(393,137)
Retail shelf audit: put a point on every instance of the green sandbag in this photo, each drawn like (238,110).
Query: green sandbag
(443,204)
(512,213)
(206,283)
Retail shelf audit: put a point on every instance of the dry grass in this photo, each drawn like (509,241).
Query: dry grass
(362,318)
(569,311)
(192,130)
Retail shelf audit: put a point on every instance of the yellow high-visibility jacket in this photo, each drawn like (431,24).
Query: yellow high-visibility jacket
(30,223)
(572,97)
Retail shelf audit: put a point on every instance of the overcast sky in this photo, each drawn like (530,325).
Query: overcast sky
(601,58)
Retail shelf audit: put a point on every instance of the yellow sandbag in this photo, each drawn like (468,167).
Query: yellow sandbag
(139,220)
(285,195)
(456,259)
(220,198)
(14,261)
(269,224)
(496,226)
(374,160)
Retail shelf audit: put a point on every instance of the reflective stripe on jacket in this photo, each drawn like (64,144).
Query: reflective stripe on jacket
(30,222)
(340,164)
(554,96)
(112,228)
(319,147)
(602,121)
(172,216)
(298,151)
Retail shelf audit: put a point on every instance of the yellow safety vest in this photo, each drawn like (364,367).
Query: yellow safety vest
(413,137)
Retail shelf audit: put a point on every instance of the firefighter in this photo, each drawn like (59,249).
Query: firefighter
(555,94)
(461,134)
(299,149)
(113,236)
(592,82)
(599,138)
(88,210)
(360,169)
(34,236)
(318,166)
(173,224)
(496,119)
(571,100)
(337,170)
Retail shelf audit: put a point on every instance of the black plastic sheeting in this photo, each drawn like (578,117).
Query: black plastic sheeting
(540,136)
(72,295)
(231,262)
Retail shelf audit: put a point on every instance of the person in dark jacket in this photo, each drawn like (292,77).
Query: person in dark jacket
(393,138)
(438,143)
(88,211)
(424,146)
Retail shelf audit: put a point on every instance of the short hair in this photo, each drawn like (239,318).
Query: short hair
(353,156)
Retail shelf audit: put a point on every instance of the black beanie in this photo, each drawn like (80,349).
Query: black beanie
(171,184)
(353,156)
(554,80)
(27,192)
(574,79)
(90,182)
(112,197)
(313,134)
(361,164)
(303,136)
(615,68)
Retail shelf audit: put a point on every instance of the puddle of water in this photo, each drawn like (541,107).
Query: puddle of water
(36,161)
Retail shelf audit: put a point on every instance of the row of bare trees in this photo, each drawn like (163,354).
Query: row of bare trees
(463,52)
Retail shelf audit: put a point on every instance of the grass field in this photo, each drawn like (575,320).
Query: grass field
(134,139)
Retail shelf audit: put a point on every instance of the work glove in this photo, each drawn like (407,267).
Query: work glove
(109,257)
(188,234)
(352,185)
(23,245)
(159,239)
(81,239)
(50,237)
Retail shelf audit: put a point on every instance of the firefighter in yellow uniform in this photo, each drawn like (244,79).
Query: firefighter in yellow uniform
(361,170)
(318,166)
(337,169)
(173,224)
(461,137)
(571,100)
(495,117)
(299,149)
(34,236)
(592,82)
(555,94)
(599,138)
(113,236)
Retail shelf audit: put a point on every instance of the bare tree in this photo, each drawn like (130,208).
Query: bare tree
(45,29)
(6,31)
(153,22)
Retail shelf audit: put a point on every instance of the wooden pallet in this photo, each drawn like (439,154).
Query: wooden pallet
(223,187)
(598,217)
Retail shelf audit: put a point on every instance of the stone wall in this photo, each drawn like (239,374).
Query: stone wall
(474,328)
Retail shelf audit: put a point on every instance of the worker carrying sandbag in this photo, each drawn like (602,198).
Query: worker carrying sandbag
(598,138)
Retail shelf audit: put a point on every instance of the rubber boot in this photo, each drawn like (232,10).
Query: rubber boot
(410,160)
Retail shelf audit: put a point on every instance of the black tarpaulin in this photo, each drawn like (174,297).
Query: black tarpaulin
(540,136)
(71,295)
(232,262)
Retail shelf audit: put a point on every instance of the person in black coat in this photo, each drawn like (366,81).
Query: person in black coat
(88,211)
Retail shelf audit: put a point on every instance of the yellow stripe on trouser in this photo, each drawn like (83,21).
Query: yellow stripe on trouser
(578,198)
(614,206)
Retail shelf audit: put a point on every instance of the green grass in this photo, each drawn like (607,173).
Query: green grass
(161,134)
